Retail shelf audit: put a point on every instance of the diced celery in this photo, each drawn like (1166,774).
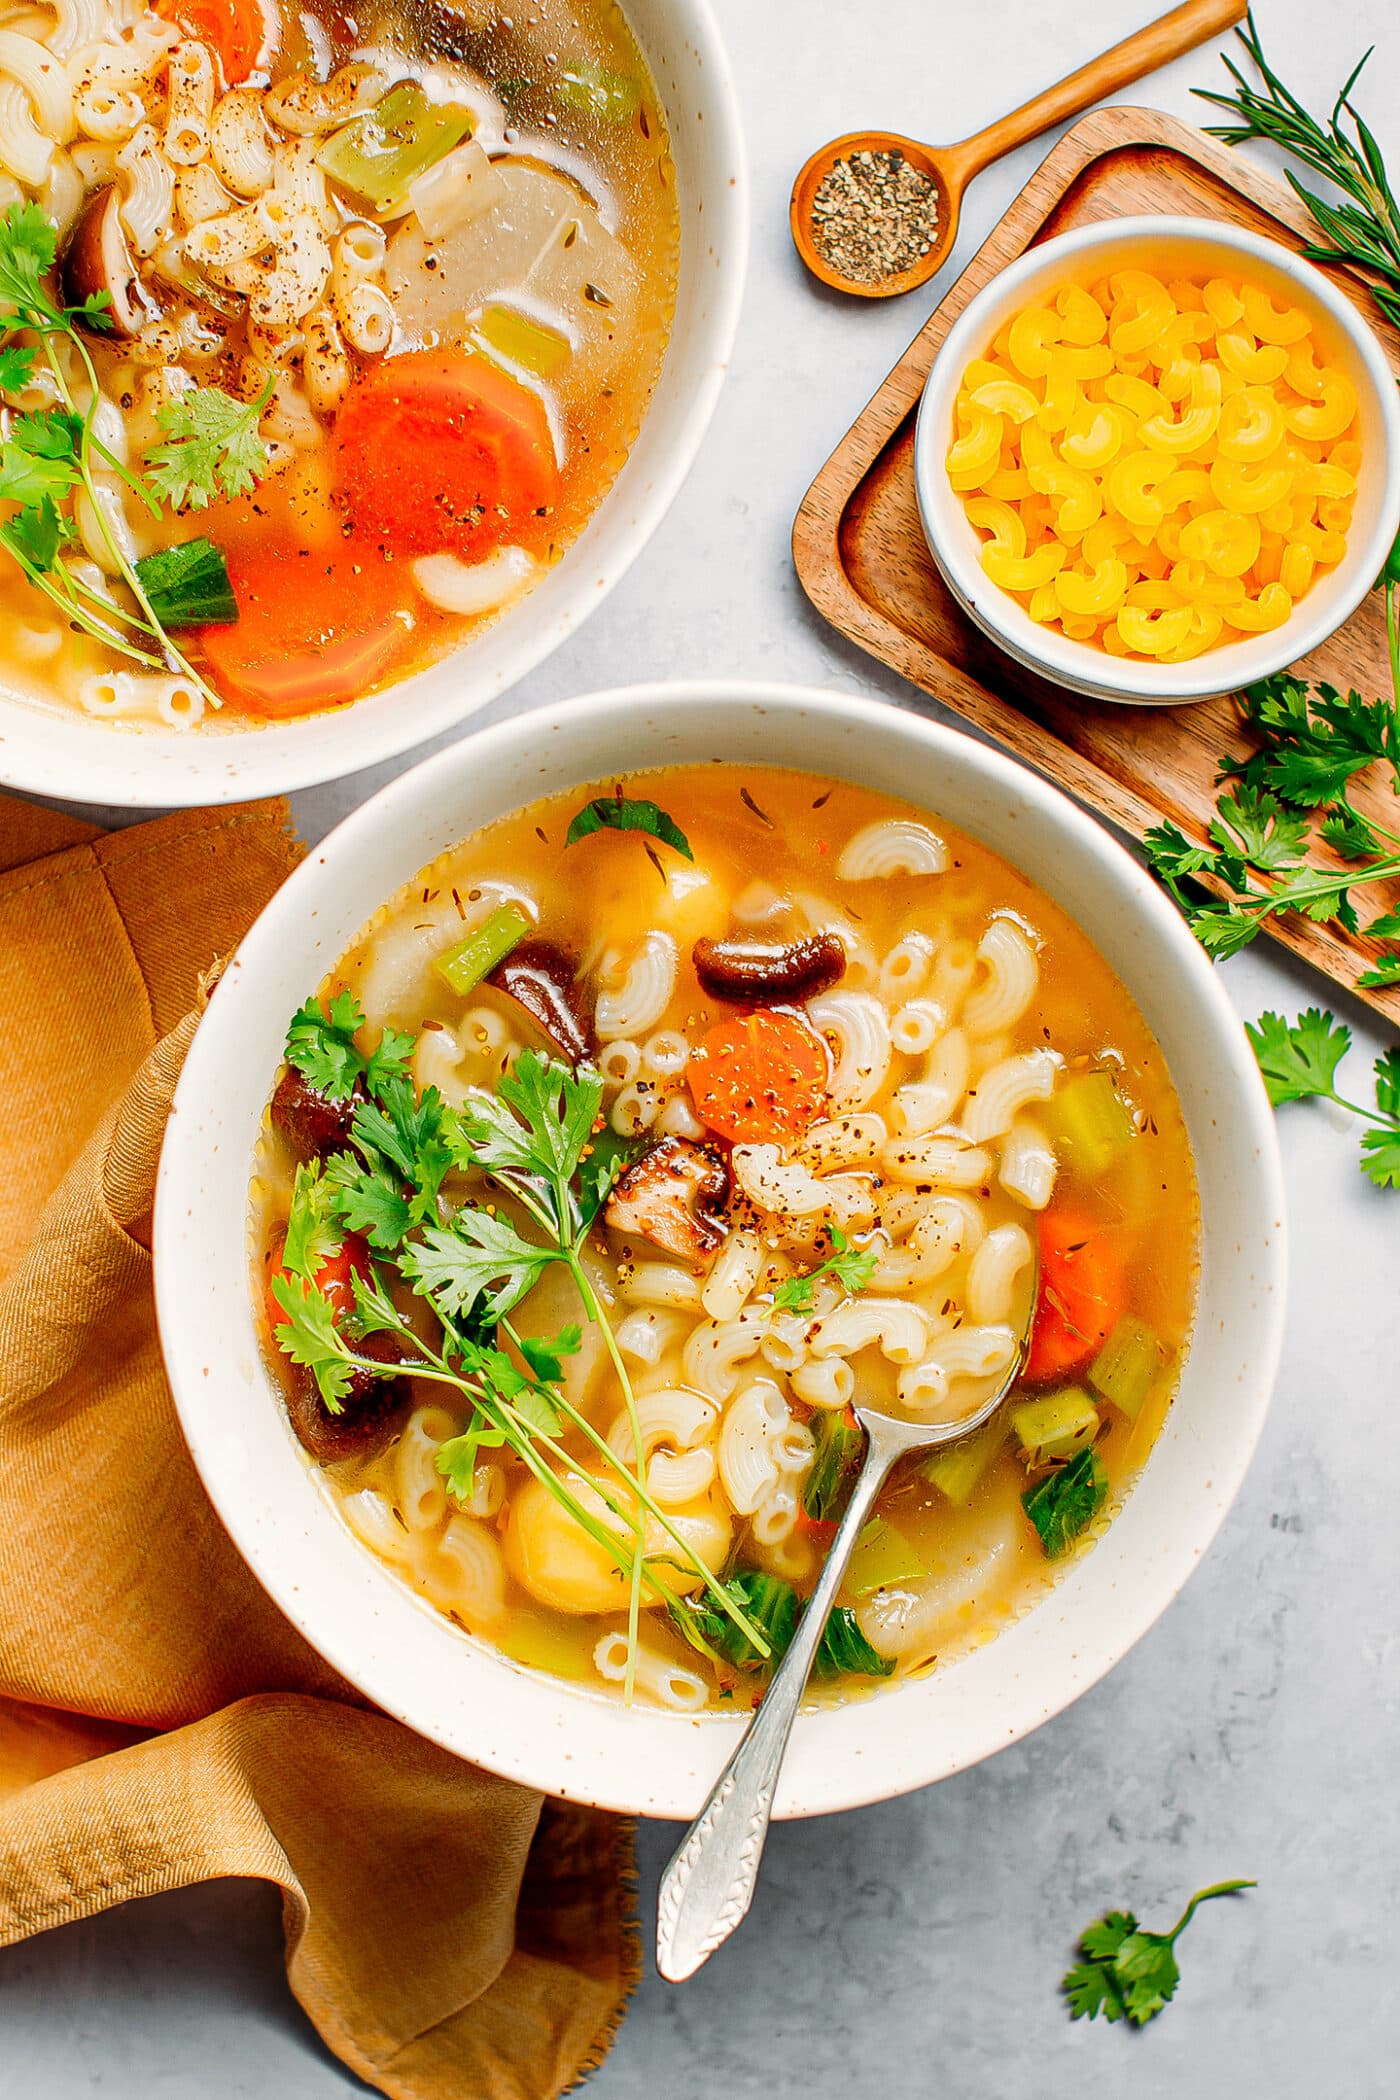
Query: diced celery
(518,339)
(957,1471)
(377,156)
(614,96)
(476,957)
(883,1558)
(1056,1426)
(1090,1122)
(1128,1365)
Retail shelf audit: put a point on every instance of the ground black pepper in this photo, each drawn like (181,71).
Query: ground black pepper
(873,216)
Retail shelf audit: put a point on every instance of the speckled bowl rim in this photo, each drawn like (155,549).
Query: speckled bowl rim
(58,750)
(560,1737)
(955,545)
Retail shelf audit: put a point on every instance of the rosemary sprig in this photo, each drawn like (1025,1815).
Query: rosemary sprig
(1363,231)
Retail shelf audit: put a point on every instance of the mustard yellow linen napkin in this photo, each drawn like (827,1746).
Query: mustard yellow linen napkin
(449,1934)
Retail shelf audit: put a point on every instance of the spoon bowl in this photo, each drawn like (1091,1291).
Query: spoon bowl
(951,168)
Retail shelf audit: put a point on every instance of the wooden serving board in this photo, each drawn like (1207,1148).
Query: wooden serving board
(862,559)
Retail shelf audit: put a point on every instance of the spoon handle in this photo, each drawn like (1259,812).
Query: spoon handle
(708,1886)
(1143,52)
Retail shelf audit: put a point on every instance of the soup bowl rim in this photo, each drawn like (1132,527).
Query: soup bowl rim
(56,749)
(1079,666)
(388,1641)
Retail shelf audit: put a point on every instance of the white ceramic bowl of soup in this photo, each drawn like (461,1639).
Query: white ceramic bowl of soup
(561,1737)
(1174,246)
(56,749)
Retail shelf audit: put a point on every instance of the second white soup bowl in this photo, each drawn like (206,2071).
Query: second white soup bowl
(59,750)
(562,1737)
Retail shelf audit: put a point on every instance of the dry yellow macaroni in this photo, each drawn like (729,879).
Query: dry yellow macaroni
(1157,465)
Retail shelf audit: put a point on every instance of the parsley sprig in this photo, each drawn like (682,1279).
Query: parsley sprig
(399,1183)
(1299,1062)
(1362,228)
(49,461)
(1312,743)
(1129,1974)
(851,1267)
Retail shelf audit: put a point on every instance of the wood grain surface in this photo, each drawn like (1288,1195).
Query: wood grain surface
(862,560)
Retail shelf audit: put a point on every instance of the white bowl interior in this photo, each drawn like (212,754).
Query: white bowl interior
(1174,246)
(59,751)
(560,1737)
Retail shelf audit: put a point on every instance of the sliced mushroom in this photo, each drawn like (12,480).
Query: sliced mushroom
(368,1412)
(310,1121)
(97,259)
(541,978)
(668,1197)
(762,973)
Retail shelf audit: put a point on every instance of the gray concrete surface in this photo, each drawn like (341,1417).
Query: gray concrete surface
(912,1949)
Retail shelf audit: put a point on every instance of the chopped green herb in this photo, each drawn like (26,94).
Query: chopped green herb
(188,585)
(621,812)
(211,447)
(849,1266)
(1066,1502)
(1129,1974)
(321,1044)
(774,1605)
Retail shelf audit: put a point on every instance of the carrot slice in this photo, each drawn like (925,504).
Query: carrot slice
(438,449)
(312,630)
(351,1258)
(237,29)
(1081,1298)
(760,1079)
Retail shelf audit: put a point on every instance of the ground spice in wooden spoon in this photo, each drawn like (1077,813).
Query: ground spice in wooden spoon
(873,216)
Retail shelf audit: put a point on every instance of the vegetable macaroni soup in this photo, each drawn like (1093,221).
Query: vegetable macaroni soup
(647,1131)
(322,334)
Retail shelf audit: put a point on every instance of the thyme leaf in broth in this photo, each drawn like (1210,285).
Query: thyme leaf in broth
(763,817)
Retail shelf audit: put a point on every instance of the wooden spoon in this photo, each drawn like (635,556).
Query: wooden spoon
(951,168)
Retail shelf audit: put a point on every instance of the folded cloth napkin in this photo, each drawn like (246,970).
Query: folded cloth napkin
(160,1723)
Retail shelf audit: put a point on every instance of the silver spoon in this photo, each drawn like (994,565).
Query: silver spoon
(709,1884)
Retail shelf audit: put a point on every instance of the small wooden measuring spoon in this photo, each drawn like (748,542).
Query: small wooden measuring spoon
(951,168)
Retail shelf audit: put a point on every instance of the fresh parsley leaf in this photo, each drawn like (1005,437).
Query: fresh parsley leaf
(1063,1504)
(312,1234)
(1092,1988)
(211,448)
(1380,1156)
(605,1158)
(1172,855)
(188,585)
(28,252)
(1381,975)
(546,1359)
(774,1607)
(389,1060)
(845,1652)
(321,1044)
(370,1199)
(479,1257)
(1388,1083)
(534,1129)
(39,458)
(621,812)
(1385,928)
(35,535)
(16,367)
(1129,1973)
(851,1267)
(457,1458)
(1348,833)
(1260,829)
(1223,929)
(309,1336)
(1301,1060)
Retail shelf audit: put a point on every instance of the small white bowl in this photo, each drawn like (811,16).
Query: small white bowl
(1180,247)
(565,1738)
(58,750)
